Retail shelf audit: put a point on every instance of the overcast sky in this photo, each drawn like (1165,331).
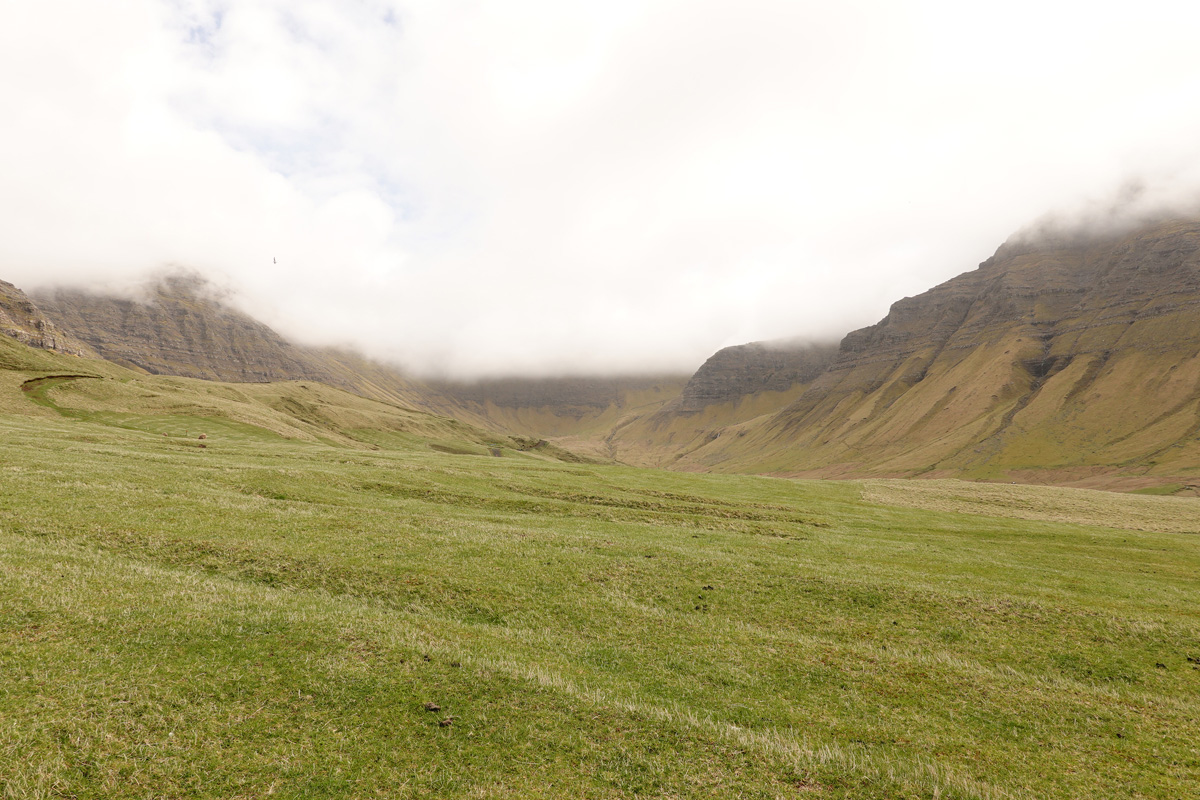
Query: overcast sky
(539,186)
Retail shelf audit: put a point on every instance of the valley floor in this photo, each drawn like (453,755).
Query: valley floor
(271,616)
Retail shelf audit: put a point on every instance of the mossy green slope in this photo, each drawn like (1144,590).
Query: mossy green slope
(1058,360)
(198,413)
(270,614)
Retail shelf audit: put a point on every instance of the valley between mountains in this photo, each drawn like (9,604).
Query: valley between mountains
(1065,358)
(232,566)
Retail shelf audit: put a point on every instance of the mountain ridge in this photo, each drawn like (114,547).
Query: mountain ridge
(1064,358)
(985,375)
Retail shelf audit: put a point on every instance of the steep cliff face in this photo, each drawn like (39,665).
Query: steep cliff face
(1077,354)
(736,372)
(181,327)
(21,319)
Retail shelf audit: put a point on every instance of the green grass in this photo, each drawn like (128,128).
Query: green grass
(1167,489)
(268,615)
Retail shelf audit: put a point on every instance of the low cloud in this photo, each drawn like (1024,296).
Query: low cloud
(541,187)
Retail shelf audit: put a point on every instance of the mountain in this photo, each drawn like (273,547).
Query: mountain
(1067,358)
(180,325)
(750,370)
(22,320)
(733,389)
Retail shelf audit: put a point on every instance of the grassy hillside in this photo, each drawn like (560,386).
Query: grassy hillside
(270,615)
(1072,360)
(184,410)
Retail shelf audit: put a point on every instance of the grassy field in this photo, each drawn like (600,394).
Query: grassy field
(270,614)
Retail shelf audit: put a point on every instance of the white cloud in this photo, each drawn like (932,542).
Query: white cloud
(541,186)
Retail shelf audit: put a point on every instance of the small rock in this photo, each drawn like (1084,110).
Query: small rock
(431,706)
(446,723)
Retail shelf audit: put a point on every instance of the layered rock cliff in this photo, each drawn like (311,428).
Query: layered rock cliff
(180,327)
(21,319)
(1075,353)
(734,373)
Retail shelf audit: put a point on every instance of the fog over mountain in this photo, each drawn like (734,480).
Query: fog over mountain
(539,187)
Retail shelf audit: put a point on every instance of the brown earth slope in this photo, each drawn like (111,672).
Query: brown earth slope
(1067,360)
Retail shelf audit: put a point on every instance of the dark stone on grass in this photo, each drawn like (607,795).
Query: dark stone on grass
(446,723)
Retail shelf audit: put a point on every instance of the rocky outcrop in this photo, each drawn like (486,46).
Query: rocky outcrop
(736,372)
(21,319)
(181,327)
